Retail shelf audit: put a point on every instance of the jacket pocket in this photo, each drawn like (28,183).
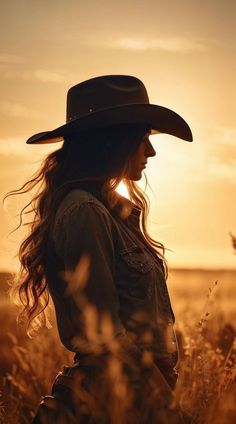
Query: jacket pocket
(137,267)
(137,258)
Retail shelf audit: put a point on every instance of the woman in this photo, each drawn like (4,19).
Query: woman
(89,248)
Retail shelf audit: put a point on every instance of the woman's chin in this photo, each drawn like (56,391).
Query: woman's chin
(136,177)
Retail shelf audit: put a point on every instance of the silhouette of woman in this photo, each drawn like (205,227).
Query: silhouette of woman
(89,248)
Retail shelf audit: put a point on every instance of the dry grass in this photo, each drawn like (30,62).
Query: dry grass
(207,383)
(206,387)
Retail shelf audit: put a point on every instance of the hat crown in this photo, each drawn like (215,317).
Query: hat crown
(104,92)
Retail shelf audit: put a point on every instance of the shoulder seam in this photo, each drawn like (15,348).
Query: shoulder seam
(75,206)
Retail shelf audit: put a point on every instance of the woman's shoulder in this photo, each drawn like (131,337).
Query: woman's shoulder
(76,200)
(77,196)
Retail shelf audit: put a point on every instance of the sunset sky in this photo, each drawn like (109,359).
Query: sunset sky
(185,53)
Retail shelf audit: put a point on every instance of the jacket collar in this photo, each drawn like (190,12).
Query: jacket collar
(127,211)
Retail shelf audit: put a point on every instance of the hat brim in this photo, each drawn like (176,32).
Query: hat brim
(160,119)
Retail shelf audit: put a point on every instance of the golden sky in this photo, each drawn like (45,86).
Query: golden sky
(184,52)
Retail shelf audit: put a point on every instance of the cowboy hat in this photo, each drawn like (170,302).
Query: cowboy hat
(112,100)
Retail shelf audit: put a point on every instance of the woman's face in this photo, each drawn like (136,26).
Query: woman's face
(139,159)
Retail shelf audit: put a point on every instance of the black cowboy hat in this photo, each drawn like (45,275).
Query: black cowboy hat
(112,100)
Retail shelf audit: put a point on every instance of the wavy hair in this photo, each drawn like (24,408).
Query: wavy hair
(98,157)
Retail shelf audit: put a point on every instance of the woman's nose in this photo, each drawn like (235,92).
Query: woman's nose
(150,150)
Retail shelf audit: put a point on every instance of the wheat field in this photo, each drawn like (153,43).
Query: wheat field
(203,302)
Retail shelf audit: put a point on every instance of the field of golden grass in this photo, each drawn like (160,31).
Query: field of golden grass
(203,302)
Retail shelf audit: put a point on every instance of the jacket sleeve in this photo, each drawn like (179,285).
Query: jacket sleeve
(87,230)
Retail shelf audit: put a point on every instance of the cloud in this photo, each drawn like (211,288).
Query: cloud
(222,170)
(168,44)
(201,161)
(212,158)
(227,135)
(42,75)
(48,76)
(13,146)
(16,146)
(221,135)
(6,58)
(17,110)
(213,167)
(222,143)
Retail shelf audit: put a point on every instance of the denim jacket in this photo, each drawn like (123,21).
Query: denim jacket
(125,280)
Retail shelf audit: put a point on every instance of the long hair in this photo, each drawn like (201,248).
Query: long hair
(93,158)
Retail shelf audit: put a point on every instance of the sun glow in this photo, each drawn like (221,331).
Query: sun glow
(122,189)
